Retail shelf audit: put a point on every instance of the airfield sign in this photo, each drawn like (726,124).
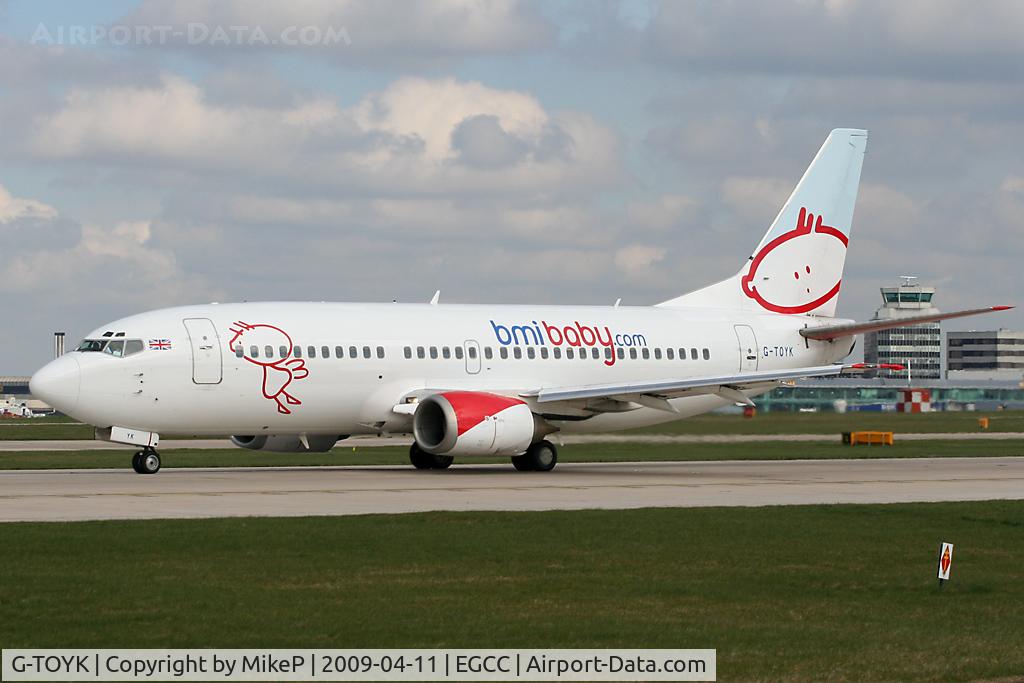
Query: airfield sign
(945,561)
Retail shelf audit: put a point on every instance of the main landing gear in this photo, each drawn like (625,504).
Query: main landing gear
(539,457)
(422,460)
(146,461)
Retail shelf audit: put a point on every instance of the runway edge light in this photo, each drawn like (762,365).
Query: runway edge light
(945,562)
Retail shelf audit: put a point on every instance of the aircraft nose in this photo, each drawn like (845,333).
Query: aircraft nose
(57,383)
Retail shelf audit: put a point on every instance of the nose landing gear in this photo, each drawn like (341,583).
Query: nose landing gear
(146,461)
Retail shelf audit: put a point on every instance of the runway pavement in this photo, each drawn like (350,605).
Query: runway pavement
(56,495)
(373,441)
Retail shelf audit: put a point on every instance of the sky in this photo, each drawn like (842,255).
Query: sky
(156,153)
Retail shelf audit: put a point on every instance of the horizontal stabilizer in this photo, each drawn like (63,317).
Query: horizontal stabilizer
(871,367)
(830,332)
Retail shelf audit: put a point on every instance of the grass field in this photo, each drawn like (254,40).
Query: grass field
(834,423)
(598,452)
(809,593)
(765,423)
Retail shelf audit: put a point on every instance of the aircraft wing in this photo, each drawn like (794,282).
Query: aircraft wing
(656,394)
(830,332)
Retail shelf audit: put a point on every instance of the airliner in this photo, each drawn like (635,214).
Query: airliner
(481,380)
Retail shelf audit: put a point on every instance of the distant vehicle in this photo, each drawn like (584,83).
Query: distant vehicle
(11,407)
(481,379)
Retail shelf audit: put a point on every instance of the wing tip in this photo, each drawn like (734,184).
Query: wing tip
(1001,308)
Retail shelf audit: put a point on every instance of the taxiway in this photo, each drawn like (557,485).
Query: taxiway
(62,495)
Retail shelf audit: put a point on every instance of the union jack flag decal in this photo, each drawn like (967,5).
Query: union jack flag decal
(159,344)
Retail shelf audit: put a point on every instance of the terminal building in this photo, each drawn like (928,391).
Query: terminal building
(879,394)
(916,347)
(994,355)
(972,371)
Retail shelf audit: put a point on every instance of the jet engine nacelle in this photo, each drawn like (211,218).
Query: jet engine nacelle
(475,423)
(284,443)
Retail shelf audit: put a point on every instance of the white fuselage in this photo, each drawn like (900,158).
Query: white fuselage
(192,379)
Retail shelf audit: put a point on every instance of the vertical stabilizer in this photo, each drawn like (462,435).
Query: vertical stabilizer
(797,268)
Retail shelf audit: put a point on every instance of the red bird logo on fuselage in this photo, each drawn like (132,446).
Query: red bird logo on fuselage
(278,372)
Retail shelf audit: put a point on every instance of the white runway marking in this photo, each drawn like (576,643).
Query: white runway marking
(57,495)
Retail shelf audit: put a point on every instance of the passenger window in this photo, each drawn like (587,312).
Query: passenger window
(446,352)
(621,353)
(670,354)
(657,353)
(707,354)
(133,346)
(380,352)
(595,353)
(531,353)
(557,352)
(568,353)
(366,352)
(339,351)
(693,354)
(283,351)
(607,353)
(311,351)
(353,352)
(325,352)
(268,350)
(407,351)
(632,354)
(583,354)
(517,352)
(544,352)
(646,353)
(503,352)
(297,352)
(254,351)
(488,353)
(682,354)
(458,353)
(420,352)
(433,352)
(239,351)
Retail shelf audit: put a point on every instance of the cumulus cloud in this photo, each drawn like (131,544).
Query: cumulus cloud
(13,208)
(481,141)
(636,260)
(416,135)
(83,272)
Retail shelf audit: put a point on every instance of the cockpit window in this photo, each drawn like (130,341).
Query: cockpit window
(91,345)
(115,348)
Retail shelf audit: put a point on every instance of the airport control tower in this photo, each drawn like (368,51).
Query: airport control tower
(918,347)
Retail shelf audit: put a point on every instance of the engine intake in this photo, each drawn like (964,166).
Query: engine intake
(475,423)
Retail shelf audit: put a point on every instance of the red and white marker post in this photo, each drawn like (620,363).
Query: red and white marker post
(945,562)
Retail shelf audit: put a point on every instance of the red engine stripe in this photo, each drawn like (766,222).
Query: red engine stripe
(471,407)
